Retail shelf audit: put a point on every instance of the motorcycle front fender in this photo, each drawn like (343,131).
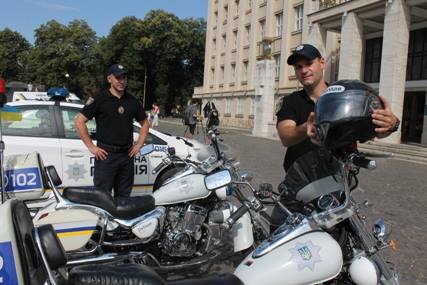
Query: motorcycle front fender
(243,233)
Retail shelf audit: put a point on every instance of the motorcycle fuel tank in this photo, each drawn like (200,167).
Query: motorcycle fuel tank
(187,188)
(312,258)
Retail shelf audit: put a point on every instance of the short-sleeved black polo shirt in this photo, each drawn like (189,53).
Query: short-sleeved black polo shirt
(296,107)
(114,117)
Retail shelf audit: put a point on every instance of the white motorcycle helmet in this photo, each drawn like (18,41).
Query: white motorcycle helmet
(363,271)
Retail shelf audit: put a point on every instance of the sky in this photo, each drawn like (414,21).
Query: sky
(24,16)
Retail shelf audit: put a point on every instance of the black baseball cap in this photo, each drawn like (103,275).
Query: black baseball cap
(117,70)
(306,51)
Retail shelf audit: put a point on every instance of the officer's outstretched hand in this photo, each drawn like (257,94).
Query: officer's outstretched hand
(99,153)
(134,150)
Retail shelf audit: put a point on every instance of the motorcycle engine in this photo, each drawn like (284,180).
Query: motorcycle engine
(183,230)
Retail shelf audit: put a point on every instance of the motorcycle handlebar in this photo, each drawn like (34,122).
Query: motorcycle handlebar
(363,162)
(237,214)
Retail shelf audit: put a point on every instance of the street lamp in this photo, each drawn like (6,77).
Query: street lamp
(67,77)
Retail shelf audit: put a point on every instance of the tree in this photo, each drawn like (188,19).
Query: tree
(14,49)
(169,50)
(61,50)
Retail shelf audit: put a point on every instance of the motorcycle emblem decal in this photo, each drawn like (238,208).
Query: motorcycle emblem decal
(76,171)
(305,255)
(121,110)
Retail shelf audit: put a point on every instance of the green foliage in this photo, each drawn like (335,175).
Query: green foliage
(61,50)
(168,50)
(14,50)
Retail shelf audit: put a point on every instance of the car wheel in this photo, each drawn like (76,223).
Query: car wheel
(166,174)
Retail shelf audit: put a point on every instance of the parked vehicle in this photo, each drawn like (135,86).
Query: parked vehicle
(48,128)
(189,217)
(302,251)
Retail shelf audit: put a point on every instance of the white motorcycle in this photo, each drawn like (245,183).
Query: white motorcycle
(303,251)
(182,224)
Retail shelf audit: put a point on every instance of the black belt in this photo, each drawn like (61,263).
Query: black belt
(114,148)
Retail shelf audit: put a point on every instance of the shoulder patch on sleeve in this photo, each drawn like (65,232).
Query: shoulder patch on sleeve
(89,101)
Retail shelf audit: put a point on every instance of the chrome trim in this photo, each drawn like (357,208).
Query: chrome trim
(156,213)
(282,235)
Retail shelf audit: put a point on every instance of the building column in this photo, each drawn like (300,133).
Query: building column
(394,58)
(317,37)
(351,47)
(264,97)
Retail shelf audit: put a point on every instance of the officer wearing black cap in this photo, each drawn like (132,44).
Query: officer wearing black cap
(295,119)
(114,111)
(292,117)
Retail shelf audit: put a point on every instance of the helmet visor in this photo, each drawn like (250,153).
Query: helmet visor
(352,104)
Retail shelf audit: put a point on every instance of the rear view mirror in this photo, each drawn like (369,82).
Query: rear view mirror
(217,180)
(146,149)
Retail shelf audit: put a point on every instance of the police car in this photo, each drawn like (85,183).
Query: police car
(47,127)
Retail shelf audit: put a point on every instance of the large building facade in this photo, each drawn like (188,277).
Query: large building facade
(381,42)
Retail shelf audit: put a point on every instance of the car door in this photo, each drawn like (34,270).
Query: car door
(35,132)
(77,161)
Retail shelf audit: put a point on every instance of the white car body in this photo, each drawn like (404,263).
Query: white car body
(48,128)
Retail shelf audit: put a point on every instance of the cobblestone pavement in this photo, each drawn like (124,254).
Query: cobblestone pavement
(396,190)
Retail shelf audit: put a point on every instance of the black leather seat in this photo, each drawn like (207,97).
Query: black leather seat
(33,272)
(122,208)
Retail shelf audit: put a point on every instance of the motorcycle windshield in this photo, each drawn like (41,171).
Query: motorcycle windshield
(312,175)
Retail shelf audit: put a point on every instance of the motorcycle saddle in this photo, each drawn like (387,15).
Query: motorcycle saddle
(109,274)
(122,208)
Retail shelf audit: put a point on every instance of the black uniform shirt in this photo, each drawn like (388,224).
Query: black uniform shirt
(296,107)
(114,117)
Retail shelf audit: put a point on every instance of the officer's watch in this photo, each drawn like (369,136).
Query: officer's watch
(396,126)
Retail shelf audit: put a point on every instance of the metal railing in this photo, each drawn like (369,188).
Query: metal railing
(325,4)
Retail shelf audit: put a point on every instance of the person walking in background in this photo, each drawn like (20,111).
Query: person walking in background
(154,113)
(114,111)
(190,118)
(213,118)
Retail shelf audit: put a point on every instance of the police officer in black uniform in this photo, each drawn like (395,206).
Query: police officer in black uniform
(114,111)
(295,119)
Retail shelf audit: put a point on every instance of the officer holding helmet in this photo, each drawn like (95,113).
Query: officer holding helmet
(114,111)
(295,119)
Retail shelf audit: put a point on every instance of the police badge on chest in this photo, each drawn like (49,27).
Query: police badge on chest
(121,110)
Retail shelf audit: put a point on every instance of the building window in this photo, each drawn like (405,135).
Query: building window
(212,75)
(262,29)
(222,74)
(235,39)
(216,17)
(228,106)
(373,52)
(245,71)
(279,22)
(248,34)
(237,7)
(233,72)
(240,101)
(214,44)
(417,55)
(225,13)
(299,11)
(277,66)
(252,108)
(224,41)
